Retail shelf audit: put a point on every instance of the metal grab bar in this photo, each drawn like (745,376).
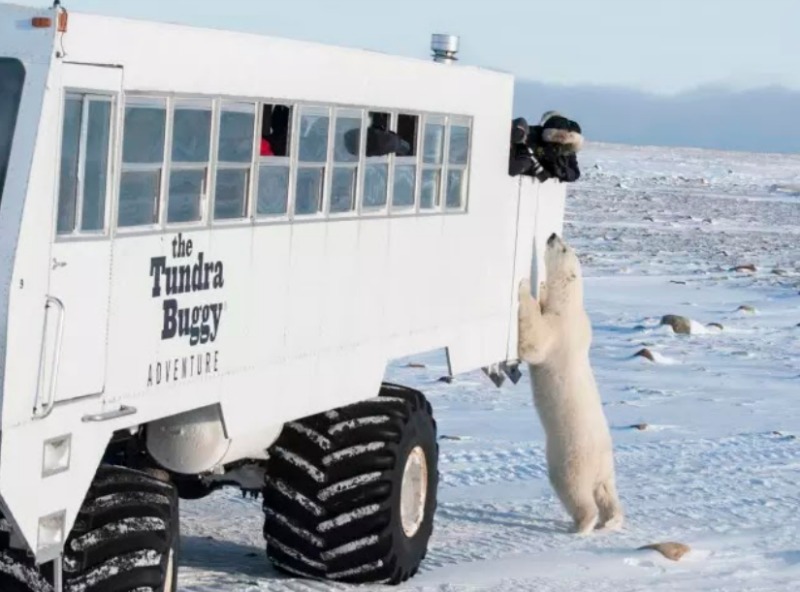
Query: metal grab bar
(42,410)
(123,411)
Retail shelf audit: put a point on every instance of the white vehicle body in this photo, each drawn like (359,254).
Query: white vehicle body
(295,314)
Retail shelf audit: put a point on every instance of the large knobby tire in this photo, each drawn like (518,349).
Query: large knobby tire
(350,494)
(126,536)
(125,539)
(18,572)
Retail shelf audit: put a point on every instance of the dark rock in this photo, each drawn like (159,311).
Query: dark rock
(679,324)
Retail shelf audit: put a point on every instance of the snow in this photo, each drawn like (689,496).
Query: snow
(717,466)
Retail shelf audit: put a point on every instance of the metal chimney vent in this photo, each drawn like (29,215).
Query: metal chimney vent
(445,48)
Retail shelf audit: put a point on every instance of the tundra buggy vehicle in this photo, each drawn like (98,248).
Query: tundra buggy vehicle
(208,259)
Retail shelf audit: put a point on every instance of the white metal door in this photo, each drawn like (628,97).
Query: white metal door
(80,259)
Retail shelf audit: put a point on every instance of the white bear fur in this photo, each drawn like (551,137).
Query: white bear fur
(554,339)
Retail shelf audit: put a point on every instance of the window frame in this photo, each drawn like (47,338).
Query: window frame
(457,121)
(250,166)
(325,165)
(87,96)
(415,160)
(289,160)
(361,208)
(436,119)
(160,168)
(170,167)
(356,165)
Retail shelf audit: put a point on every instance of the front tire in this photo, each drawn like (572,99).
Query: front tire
(351,493)
(126,536)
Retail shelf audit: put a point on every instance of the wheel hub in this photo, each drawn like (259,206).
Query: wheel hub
(414,491)
(170,568)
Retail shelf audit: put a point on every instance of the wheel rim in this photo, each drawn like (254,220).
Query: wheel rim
(170,570)
(414,491)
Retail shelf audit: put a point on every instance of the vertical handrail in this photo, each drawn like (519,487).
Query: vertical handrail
(43,409)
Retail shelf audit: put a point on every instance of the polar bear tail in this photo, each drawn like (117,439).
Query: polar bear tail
(611,516)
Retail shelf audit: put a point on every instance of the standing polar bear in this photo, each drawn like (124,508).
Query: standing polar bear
(554,339)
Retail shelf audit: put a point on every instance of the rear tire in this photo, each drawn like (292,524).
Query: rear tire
(350,494)
(126,536)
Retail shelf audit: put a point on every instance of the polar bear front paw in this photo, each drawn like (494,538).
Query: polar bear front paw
(525,287)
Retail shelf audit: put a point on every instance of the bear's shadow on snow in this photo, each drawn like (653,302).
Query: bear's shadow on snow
(221,556)
(509,519)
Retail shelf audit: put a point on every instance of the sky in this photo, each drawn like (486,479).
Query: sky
(660,46)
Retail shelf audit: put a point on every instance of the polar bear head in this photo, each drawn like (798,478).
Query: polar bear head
(564,282)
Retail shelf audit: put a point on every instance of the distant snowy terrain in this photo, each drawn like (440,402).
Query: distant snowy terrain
(659,231)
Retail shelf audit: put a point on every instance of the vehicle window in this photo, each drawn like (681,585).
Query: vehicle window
(12,78)
(404,189)
(191,144)
(142,162)
(376,168)
(85,155)
(346,156)
(235,160)
(274,164)
(312,160)
(458,157)
(432,159)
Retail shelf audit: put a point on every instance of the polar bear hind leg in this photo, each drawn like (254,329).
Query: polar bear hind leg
(579,501)
(611,516)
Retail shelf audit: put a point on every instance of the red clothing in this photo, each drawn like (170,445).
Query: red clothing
(266,148)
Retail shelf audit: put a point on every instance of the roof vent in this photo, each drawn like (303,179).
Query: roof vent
(445,48)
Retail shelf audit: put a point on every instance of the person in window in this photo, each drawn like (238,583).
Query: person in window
(521,158)
(279,137)
(380,140)
(555,143)
(266,148)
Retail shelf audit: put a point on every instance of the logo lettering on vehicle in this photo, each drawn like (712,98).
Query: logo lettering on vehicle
(172,279)
(186,275)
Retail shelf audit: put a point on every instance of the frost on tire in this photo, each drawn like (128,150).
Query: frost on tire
(350,494)
(18,573)
(125,537)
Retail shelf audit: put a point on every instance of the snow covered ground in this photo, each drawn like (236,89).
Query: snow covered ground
(718,467)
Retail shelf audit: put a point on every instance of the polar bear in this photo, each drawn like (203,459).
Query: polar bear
(554,339)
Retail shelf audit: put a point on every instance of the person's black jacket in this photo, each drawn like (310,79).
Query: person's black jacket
(554,144)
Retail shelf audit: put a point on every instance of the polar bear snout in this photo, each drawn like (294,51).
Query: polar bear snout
(553,238)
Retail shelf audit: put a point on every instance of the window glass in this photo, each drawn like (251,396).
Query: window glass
(230,199)
(348,138)
(191,133)
(236,130)
(95,185)
(429,197)
(138,198)
(145,128)
(433,149)
(343,189)
(405,179)
(273,191)
(12,77)
(308,195)
(70,156)
(376,182)
(185,195)
(314,136)
(143,141)
(459,144)
(455,188)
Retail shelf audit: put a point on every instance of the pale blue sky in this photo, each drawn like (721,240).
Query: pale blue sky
(655,45)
